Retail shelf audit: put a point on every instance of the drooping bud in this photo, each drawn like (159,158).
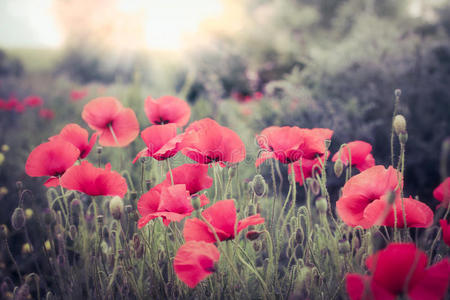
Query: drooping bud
(338,168)
(321,205)
(195,201)
(399,124)
(313,185)
(116,207)
(259,185)
(252,235)
(18,219)
(257,246)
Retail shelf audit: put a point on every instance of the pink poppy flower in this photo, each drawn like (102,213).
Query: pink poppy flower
(442,192)
(77,136)
(167,109)
(33,101)
(361,157)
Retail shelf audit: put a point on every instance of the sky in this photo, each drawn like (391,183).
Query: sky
(33,23)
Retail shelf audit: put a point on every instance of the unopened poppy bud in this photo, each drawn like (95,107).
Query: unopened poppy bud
(399,124)
(3,231)
(313,185)
(18,219)
(398,93)
(49,296)
(321,205)
(116,207)
(259,185)
(31,277)
(252,235)
(19,185)
(344,247)
(27,248)
(73,232)
(338,168)
(195,201)
(403,138)
(299,236)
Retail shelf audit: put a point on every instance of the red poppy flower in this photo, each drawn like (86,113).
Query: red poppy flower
(51,159)
(205,141)
(222,216)
(20,108)
(400,269)
(162,142)
(33,101)
(94,181)
(361,157)
(46,113)
(445,231)
(364,188)
(289,144)
(167,109)
(442,192)
(11,103)
(77,136)
(76,95)
(112,121)
(194,261)
(308,167)
(194,176)
(170,202)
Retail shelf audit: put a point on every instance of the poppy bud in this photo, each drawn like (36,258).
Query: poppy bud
(338,168)
(259,185)
(116,207)
(18,219)
(49,296)
(399,124)
(403,138)
(3,231)
(321,205)
(344,247)
(139,251)
(252,235)
(5,148)
(27,248)
(398,93)
(313,185)
(196,203)
(299,235)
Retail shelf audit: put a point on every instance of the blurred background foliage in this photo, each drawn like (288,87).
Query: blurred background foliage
(318,63)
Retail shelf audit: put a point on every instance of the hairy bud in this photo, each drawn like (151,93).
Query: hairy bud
(338,168)
(259,185)
(399,124)
(116,207)
(18,219)
(195,201)
(321,205)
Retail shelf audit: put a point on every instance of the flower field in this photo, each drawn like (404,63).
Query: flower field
(248,172)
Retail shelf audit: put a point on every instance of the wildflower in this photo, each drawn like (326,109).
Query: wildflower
(400,269)
(47,113)
(445,231)
(167,109)
(33,101)
(365,201)
(194,261)
(76,95)
(94,181)
(77,136)
(289,144)
(162,142)
(442,192)
(51,159)
(117,126)
(360,154)
(205,141)
(222,217)
(20,107)
(194,176)
(11,103)
(171,203)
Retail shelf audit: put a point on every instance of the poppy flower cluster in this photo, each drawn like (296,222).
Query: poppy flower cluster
(368,199)
(174,202)
(400,269)
(289,144)
(116,126)
(358,152)
(15,105)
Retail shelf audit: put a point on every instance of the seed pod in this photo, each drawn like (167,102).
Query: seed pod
(116,207)
(399,124)
(259,185)
(18,219)
(321,205)
(338,168)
